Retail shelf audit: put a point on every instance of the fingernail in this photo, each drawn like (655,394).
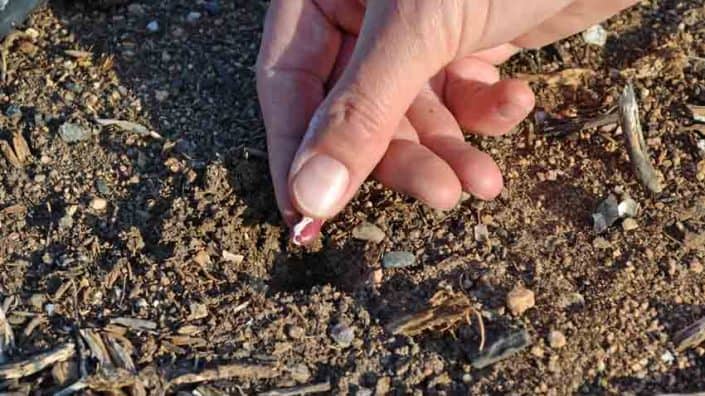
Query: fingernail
(512,111)
(319,185)
(305,231)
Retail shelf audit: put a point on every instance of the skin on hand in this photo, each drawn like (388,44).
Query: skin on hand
(352,88)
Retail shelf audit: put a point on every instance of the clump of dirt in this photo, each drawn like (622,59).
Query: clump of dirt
(170,253)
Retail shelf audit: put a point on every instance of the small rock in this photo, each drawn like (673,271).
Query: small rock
(398,259)
(701,146)
(99,204)
(502,349)
(72,133)
(50,309)
(202,258)
(695,266)
(537,351)
(295,332)
(629,224)
(482,233)
(161,95)
(37,300)
(383,385)
(667,357)
(102,186)
(595,35)
(519,300)
(342,334)
(628,208)
(368,232)
(556,339)
(193,17)
(233,258)
(606,214)
(601,243)
(153,26)
(300,373)
(13,111)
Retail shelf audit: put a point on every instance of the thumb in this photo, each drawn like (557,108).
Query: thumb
(400,47)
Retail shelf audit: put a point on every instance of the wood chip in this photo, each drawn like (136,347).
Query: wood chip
(97,347)
(691,336)
(634,137)
(21,147)
(136,324)
(7,337)
(9,154)
(37,363)
(299,390)
(249,371)
(120,353)
(16,209)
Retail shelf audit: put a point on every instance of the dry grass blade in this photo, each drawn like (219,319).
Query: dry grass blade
(37,363)
(299,390)
(9,154)
(249,371)
(21,147)
(638,152)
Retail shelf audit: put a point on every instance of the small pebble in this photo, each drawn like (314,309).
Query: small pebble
(342,334)
(398,259)
(595,35)
(601,243)
(161,95)
(502,349)
(99,204)
(193,16)
(606,214)
(72,133)
(368,232)
(519,300)
(537,351)
(556,339)
(296,332)
(696,266)
(202,258)
(232,257)
(628,208)
(629,224)
(482,234)
(300,373)
(153,26)
(102,186)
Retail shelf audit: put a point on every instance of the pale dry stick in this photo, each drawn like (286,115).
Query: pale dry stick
(299,390)
(37,363)
(634,137)
(252,371)
(7,337)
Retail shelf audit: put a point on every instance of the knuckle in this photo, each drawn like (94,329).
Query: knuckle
(357,113)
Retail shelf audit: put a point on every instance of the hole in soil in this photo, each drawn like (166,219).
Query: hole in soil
(343,268)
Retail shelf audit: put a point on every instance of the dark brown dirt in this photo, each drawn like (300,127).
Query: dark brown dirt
(175,205)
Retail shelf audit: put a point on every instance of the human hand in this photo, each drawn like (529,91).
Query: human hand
(349,89)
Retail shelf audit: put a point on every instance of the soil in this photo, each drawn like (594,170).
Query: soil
(175,205)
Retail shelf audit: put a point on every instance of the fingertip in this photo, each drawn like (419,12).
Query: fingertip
(488,185)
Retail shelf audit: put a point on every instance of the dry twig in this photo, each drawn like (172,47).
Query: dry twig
(37,363)
(634,137)
(299,390)
(253,371)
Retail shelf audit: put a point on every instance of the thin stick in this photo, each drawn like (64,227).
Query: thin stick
(227,371)
(481,324)
(299,390)
(37,363)
(634,137)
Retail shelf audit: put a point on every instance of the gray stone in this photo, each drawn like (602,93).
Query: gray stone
(72,133)
(398,259)
(502,349)
(606,214)
(368,232)
(595,35)
(342,334)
